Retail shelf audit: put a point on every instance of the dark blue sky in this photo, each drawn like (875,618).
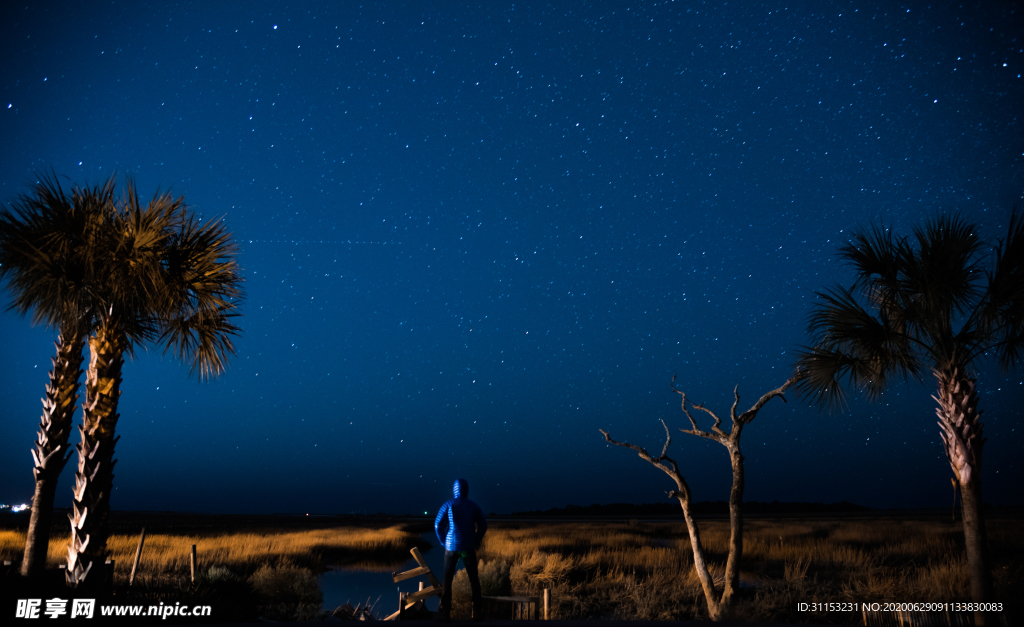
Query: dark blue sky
(474,235)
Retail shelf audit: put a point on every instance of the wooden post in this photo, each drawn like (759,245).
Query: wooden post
(109,575)
(138,554)
(193,564)
(547,602)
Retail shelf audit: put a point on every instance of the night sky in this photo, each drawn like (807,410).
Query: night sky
(472,236)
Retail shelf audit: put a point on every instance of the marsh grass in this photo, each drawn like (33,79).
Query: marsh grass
(642,570)
(166,556)
(645,570)
(244,575)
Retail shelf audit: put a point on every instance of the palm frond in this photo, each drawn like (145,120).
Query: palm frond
(821,381)
(841,323)
(200,263)
(852,343)
(130,275)
(203,291)
(876,257)
(879,256)
(46,240)
(1002,312)
(943,273)
(202,337)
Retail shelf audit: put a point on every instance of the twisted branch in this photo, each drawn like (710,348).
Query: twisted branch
(751,413)
(663,462)
(718,433)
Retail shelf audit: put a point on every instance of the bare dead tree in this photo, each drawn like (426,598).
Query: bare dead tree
(719,605)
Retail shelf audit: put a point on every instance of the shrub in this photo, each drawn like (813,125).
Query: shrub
(223,589)
(495,580)
(287,592)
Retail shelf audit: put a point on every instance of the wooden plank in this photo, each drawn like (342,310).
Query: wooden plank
(516,599)
(393,616)
(433,581)
(409,574)
(416,555)
(425,593)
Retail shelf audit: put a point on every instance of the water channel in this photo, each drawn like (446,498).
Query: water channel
(362,587)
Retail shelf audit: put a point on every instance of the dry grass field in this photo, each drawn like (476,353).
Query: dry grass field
(645,570)
(258,573)
(624,570)
(167,555)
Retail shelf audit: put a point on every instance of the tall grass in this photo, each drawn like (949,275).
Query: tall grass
(168,556)
(627,571)
(646,571)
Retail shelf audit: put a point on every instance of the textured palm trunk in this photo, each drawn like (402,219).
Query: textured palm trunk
(962,437)
(51,453)
(87,549)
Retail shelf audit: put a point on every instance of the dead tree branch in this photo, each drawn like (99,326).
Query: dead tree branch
(751,413)
(663,462)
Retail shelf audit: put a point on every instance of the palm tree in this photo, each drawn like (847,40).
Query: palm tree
(928,303)
(159,274)
(44,239)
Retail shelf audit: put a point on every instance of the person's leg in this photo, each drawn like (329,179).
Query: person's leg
(451,562)
(469,560)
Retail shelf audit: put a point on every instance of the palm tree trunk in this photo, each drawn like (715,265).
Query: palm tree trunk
(87,549)
(962,437)
(51,449)
(976,545)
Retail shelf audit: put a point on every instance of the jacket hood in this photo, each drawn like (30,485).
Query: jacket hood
(461,489)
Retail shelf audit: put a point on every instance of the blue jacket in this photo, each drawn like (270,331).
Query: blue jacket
(460,525)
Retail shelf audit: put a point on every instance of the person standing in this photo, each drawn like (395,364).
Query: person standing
(460,526)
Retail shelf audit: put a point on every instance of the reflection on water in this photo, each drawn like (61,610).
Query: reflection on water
(357,585)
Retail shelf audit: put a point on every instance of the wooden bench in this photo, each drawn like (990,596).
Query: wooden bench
(523,608)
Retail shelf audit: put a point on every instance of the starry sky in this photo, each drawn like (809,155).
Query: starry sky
(474,234)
